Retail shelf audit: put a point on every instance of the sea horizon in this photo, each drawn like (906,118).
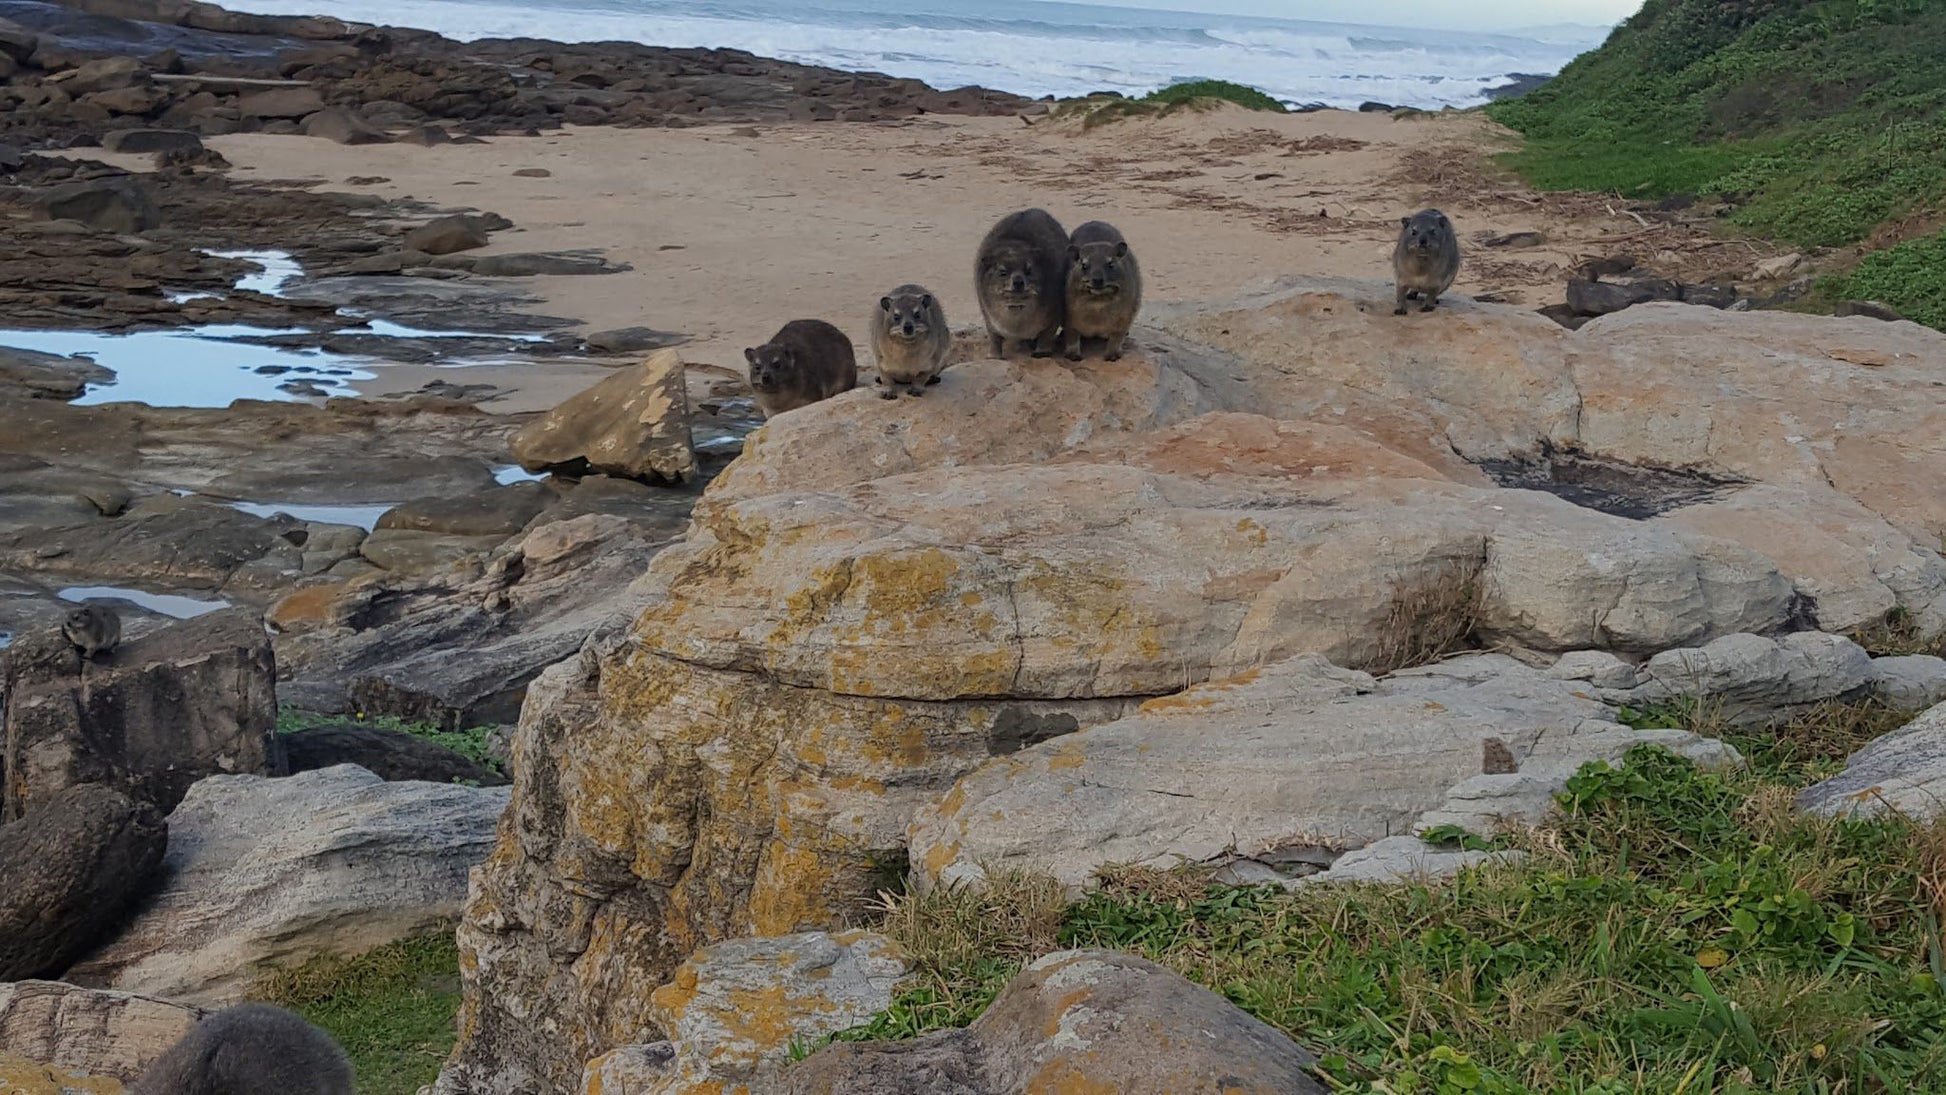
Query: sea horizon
(1033,48)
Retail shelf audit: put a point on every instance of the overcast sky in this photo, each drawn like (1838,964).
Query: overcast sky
(1470,14)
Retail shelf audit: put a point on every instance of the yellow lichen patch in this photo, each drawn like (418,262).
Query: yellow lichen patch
(1069,755)
(941,856)
(1256,532)
(672,999)
(951,804)
(1059,1014)
(793,887)
(20,1076)
(308,607)
(1198,698)
(1068,1076)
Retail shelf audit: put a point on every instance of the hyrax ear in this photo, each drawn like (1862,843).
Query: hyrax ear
(926,301)
(1074,253)
(750,354)
(1121,249)
(885,303)
(1405,222)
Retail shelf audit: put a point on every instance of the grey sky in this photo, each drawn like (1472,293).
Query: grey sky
(1467,14)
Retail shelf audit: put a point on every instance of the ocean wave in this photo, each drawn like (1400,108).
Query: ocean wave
(1019,46)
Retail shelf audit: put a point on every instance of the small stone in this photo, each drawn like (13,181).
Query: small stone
(151,140)
(1782,266)
(532,173)
(447,235)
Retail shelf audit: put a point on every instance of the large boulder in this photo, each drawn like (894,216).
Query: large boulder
(634,424)
(150,718)
(117,204)
(266,873)
(447,235)
(734,1011)
(1077,1021)
(1754,679)
(1903,772)
(90,1031)
(1298,761)
(71,869)
(388,754)
(878,598)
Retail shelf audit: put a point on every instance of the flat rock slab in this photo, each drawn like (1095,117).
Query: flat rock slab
(634,424)
(1904,771)
(271,872)
(1076,1021)
(93,1032)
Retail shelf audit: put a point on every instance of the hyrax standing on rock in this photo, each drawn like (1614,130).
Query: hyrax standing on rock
(805,361)
(1104,288)
(910,340)
(93,629)
(1426,260)
(251,1049)
(1021,276)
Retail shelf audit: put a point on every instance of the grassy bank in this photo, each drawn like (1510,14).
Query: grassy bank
(391,1009)
(1820,120)
(1673,931)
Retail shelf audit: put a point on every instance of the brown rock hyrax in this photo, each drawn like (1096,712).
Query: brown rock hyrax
(251,1049)
(805,361)
(1021,276)
(93,629)
(1426,260)
(910,340)
(1104,288)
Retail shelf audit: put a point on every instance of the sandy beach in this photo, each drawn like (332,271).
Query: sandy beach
(732,230)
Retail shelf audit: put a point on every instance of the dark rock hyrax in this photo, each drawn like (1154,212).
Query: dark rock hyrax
(910,340)
(1021,276)
(1426,260)
(1104,288)
(251,1049)
(805,361)
(93,629)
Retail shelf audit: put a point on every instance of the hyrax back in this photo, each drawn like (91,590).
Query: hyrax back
(1427,258)
(252,1049)
(910,340)
(805,361)
(1104,290)
(1021,275)
(93,629)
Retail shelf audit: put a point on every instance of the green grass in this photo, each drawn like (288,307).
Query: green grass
(392,1009)
(1193,91)
(1910,277)
(1820,121)
(1672,930)
(470,743)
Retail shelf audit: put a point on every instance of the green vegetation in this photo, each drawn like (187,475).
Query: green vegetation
(1672,930)
(1820,119)
(1192,91)
(392,1008)
(470,743)
(1910,277)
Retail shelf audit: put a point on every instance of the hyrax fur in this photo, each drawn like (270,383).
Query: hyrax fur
(93,629)
(252,1049)
(910,340)
(805,361)
(1426,260)
(1021,276)
(1104,290)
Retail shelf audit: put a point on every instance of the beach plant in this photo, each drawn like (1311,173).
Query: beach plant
(392,1009)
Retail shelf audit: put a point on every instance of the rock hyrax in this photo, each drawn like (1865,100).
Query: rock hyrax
(1021,277)
(251,1049)
(1426,260)
(1104,288)
(910,340)
(805,361)
(94,629)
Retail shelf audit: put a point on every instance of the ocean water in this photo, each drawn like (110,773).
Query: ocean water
(1025,46)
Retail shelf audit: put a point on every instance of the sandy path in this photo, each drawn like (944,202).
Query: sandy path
(732,231)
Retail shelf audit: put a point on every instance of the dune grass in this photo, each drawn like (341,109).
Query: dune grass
(1674,930)
(1224,91)
(1195,95)
(391,1009)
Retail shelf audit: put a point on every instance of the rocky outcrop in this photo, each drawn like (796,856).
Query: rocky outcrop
(634,424)
(150,718)
(1313,760)
(1076,1021)
(878,598)
(89,1031)
(71,869)
(734,1010)
(270,872)
(1753,679)
(1902,772)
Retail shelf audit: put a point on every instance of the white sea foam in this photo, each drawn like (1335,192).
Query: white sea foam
(1023,46)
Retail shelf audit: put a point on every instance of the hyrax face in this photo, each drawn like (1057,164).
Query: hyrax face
(1426,233)
(1014,275)
(773,368)
(907,317)
(1099,268)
